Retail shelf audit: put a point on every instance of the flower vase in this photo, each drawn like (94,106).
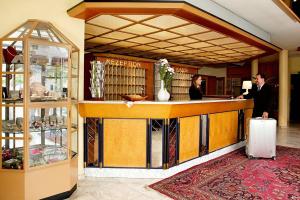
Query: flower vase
(163,94)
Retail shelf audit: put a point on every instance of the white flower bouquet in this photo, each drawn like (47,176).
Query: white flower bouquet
(166,72)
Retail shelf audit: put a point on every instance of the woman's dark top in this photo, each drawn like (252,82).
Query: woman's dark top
(195,93)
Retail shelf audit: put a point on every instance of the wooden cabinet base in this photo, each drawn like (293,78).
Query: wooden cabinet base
(53,181)
(63,195)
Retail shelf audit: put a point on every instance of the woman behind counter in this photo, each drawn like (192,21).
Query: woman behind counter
(195,89)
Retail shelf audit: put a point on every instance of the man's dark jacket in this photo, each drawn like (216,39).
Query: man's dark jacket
(262,100)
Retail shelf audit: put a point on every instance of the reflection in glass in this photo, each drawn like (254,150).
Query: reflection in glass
(74,133)
(12,69)
(12,122)
(75,68)
(12,153)
(48,73)
(203,145)
(92,142)
(12,88)
(48,136)
(156,143)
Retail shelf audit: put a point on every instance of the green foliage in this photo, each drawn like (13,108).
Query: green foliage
(166,72)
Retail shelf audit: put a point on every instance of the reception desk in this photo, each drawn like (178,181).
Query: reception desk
(149,134)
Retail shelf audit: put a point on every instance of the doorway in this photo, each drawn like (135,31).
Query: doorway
(295,98)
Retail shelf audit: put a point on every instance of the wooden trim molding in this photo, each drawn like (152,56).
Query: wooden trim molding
(158,111)
(285,8)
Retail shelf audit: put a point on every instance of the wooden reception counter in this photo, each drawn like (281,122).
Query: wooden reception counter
(128,134)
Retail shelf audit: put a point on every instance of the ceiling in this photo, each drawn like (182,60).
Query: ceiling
(284,30)
(179,38)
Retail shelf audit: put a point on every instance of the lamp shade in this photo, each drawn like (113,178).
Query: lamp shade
(247,85)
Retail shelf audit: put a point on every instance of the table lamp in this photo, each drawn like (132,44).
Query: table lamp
(246,86)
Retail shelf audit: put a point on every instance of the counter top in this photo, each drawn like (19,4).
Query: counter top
(208,100)
(158,109)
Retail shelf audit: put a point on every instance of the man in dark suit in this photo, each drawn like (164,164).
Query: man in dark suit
(262,95)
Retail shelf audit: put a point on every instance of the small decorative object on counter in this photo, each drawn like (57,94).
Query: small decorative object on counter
(166,73)
(97,79)
(134,97)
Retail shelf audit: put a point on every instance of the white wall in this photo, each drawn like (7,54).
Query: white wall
(15,12)
(211,71)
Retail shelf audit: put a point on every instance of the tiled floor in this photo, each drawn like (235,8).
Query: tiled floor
(122,188)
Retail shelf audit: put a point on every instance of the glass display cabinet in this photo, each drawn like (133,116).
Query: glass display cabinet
(38,138)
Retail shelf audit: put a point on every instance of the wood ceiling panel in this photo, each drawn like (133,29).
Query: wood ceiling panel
(183,40)
(161,44)
(245,49)
(189,29)
(215,56)
(206,54)
(178,48)
(137,18)
(192,51)
(160,51)
(213,48)
(199,45)
(187,56)
(254,52)
(225,51)
(87,36)
(223,41)
(165,22)
(235,54)
(144,48)
(125,44)
(236,45)
(109,21)
(118,35)
(139,29)
(175,53)
(95,30)
(142,40)
(101,40)
(208,36)
(163,35)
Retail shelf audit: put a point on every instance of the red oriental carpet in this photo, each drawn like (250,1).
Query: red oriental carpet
(233,176)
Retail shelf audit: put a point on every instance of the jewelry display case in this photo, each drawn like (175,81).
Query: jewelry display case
(38,137)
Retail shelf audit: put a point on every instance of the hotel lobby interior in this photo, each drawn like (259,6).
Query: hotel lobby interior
(96,100)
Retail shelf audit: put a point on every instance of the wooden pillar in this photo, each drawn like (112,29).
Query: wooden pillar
(254,68)
(283,89)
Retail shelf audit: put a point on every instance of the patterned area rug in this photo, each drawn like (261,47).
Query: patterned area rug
(233,176)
